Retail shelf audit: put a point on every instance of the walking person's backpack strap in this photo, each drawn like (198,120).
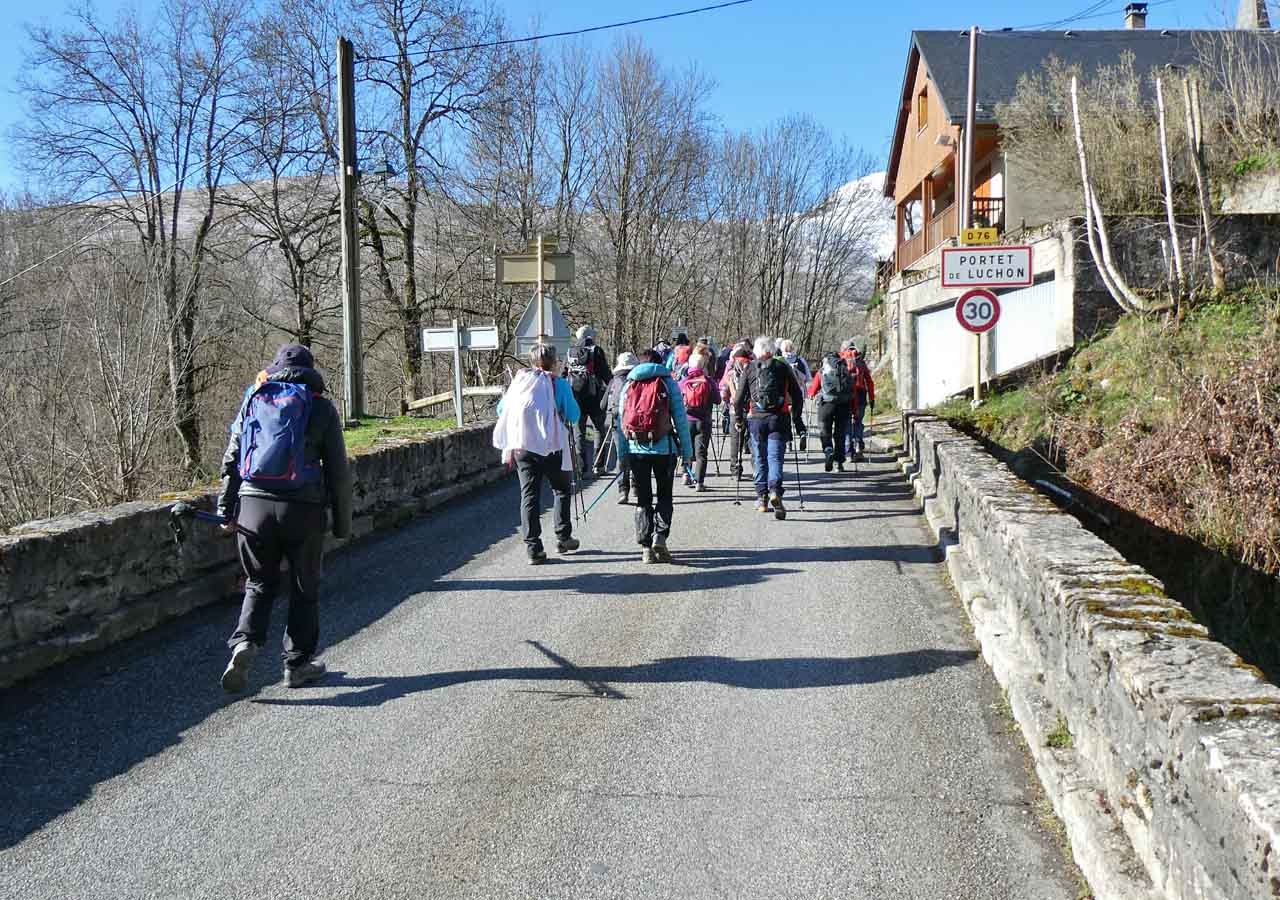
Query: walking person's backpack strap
(273,437)
(646,413)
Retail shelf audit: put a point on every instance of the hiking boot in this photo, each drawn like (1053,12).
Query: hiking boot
(297,676)
(702,487)
(568,545)
(860,457)
(660,552)
(648,556)
(839,467)
(688,480)
(827,464)
(779,511)
(763,505)
(235,678)
(537,558)
(624,498)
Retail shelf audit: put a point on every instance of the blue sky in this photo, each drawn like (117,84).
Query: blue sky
(838,60)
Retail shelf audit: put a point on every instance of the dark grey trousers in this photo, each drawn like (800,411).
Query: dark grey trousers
(283,531)
(532,469)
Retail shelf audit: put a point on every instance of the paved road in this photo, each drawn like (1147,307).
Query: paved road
(790,710)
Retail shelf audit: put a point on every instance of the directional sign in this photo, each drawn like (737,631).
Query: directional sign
(978,311)
(440,340)
(522,268)
(967,267)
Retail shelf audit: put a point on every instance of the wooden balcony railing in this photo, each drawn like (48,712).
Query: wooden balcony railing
(987,212)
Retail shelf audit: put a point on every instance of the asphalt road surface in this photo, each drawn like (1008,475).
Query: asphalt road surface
(791,709)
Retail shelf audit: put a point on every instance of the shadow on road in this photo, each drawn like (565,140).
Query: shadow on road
(92,719)
(752,674)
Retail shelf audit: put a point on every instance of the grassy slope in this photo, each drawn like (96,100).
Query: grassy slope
(1177,422)
(373,429)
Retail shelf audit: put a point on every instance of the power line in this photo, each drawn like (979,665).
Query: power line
(1086,14)
(557,34)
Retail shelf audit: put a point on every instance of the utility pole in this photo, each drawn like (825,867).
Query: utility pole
(348,182)
(966,196)
(542,307)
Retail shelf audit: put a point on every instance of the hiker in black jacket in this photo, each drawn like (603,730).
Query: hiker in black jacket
(776,401)
(586,369)
(286,515)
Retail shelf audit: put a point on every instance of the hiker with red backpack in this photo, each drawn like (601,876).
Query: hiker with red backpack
(832,385)
(655,426)
(285,467)
(700,398)
(864,396)
(586,368)
(770,402)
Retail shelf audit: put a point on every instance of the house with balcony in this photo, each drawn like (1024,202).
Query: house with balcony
(933,358)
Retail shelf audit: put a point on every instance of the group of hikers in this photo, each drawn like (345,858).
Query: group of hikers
(655,411)
(286,480)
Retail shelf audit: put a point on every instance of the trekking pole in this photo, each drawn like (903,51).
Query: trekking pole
(574,499)
(605,490)
(799,489)
(715,454)
(737,481)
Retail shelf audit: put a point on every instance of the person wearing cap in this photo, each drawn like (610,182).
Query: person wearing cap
(286,515)
(587,371)
(621,369)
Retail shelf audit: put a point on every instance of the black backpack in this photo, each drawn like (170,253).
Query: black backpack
(837,383)
(580,367)
(769,387)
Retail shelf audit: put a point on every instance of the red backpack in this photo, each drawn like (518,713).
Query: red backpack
(646,412)
(696,390)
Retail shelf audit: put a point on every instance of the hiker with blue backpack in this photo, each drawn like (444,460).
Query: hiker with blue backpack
(655,426)
(285,469)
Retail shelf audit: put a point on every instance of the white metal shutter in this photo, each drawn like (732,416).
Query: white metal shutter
(942,356)
(1027,329)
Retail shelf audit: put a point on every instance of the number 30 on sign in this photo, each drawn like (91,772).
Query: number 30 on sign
(978,310)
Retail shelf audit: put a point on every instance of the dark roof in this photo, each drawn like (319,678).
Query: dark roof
(1005,56)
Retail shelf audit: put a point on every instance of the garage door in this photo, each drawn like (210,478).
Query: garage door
(1028,327)
(942,356)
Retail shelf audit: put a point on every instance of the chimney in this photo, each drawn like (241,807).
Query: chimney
(1253,15)
(1135,16)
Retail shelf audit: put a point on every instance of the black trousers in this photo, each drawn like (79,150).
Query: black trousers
(736,449)
(532,469)
(652,518)
(593,411)
(835,418)
(284,531)
(700,431)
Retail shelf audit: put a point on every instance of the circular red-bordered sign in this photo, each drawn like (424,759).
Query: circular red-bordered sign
(978,310)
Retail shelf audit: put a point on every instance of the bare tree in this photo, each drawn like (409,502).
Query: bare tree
(136,113)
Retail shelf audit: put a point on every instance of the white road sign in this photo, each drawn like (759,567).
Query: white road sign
(969,267)
(474,337)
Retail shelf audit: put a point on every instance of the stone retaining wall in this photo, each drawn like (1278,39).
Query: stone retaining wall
(1170,780)
(76,583)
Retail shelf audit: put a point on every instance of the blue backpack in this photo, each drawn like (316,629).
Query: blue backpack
(273,437)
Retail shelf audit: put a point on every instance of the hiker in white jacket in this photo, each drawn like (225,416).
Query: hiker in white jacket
(534,417)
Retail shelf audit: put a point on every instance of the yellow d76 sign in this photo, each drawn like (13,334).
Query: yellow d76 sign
(977,236)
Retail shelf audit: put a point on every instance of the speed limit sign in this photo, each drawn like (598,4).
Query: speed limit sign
(978,310)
